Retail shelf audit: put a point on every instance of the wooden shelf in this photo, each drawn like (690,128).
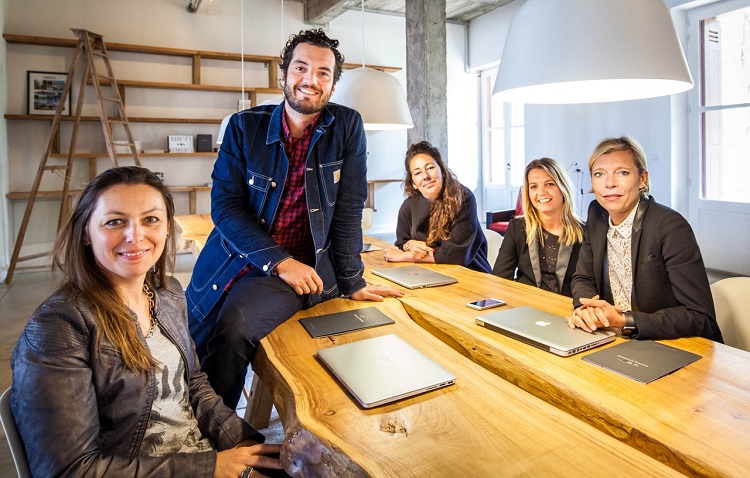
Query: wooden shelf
(131,119)
(191,190)
(140,155)
(196,55)
(193,87)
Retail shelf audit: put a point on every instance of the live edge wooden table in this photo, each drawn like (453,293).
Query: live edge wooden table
(483,426)
(696,420)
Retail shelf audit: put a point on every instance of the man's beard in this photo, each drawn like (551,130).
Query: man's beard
(307,107)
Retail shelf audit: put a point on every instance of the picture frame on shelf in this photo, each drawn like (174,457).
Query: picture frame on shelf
(44,91)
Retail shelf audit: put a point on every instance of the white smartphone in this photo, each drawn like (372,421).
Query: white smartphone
(485,304)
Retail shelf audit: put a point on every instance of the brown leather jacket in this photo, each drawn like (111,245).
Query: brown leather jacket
(81,412)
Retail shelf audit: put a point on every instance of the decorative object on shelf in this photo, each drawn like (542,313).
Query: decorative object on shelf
(204,143)
(180,144)
(377,95)
(44,92)
(590,51)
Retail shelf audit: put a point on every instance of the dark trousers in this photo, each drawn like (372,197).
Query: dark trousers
(226,338)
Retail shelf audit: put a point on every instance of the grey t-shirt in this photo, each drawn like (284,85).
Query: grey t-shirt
(172,427)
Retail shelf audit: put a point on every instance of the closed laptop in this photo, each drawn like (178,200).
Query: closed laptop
(384,369)
(414,277)
(543,330)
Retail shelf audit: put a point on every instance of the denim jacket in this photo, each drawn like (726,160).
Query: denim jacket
(80,412)
(248,180)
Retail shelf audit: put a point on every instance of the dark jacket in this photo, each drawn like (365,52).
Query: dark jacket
(248,180)
(671,296)
(519,261)
(467,245)
(80,412)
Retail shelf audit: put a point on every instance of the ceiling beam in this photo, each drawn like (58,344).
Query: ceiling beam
(320,12)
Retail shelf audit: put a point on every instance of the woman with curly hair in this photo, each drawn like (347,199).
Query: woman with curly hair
(541,247)
(438,220)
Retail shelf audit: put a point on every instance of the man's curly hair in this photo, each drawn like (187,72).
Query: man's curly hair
(315,37)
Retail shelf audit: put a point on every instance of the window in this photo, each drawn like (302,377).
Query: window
(724,105)
(503,138)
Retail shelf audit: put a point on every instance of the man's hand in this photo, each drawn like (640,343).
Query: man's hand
(376,292)
(300,277)
(595,313)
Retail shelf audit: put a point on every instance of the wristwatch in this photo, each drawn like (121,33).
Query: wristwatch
(630,328)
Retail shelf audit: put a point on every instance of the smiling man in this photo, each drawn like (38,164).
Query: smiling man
(640,269)
(288,190)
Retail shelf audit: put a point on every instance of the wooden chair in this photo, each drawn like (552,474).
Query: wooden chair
(17,450)
(498,220)
(730,301)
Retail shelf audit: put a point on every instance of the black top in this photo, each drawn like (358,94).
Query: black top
(548,261)
(467,245)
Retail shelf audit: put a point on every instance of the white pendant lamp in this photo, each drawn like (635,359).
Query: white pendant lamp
(376,95)
(591,51)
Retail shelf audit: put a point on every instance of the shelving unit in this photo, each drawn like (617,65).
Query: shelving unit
(193,172)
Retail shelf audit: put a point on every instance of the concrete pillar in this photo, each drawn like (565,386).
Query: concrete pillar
(426,72)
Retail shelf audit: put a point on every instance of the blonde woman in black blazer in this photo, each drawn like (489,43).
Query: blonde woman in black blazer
(670,296)
(541,247)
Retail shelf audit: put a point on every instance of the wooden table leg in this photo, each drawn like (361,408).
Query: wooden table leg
(259,404)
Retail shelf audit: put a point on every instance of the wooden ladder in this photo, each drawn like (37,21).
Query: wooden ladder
(90,47)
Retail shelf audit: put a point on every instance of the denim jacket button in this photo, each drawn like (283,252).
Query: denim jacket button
(265,267)
(262,221)
(215,287)
(273,184)
(251,182)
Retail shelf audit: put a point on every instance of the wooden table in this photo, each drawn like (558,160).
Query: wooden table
(481,426)
(194,229)
(696,420)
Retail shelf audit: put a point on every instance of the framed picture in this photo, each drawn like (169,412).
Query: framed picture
(44,92)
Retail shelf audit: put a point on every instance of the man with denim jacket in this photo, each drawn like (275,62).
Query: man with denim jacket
(288,190)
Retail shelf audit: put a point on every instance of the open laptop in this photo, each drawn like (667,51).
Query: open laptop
(414,277)
(543,330)
(384,369)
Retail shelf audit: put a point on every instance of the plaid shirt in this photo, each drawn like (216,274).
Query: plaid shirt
(291,229)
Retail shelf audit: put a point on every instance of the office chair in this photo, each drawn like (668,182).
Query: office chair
(498,220)
(17,449)
(730,298)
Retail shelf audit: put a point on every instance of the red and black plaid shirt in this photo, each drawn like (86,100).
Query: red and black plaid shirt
(291,229)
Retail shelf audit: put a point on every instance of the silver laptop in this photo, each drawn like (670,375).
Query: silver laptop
(543,330)
(384,369)
(414,277)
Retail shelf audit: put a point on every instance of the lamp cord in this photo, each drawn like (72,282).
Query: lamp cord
(282,25)
(242,46)
(363,33)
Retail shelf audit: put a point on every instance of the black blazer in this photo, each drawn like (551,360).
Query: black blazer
(671,296)
(517,261)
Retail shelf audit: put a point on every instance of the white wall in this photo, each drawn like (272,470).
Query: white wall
(166,23)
